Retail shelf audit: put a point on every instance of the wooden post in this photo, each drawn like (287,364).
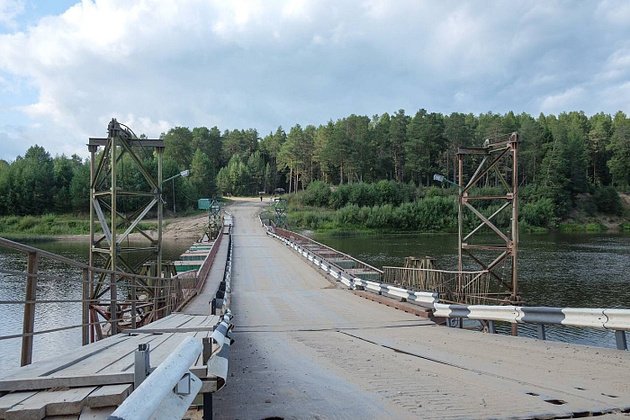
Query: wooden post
(28,326)
(85,307)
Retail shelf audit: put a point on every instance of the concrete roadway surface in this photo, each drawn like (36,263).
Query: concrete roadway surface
(305,348)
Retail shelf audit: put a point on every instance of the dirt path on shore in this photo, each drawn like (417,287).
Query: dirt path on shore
(193,226)
(184,227)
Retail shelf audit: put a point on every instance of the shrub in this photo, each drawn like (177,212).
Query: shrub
(339,197)
(608,201)
(316,194)
(348,216)
(27,223)
(539,213)
(387,192)
(362,194)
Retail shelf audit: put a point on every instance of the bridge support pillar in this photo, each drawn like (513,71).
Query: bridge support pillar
(28,324)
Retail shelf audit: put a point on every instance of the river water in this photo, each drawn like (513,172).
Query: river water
(555,270)
(561,270)
(59,282)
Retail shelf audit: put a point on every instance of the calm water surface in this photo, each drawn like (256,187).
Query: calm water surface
(562,270)
(60,283)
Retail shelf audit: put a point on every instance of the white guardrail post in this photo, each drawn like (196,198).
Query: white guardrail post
(619,321)
(168,391)
(221,341)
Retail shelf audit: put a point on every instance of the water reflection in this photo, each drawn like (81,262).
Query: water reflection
(562,270)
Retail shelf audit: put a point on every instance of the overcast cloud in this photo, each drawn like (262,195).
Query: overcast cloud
(240,64)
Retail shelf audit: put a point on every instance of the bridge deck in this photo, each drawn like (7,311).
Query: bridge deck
(100,374)
(200,304)
(306,348)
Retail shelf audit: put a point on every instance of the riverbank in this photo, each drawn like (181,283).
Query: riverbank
(410,219)
(77,228)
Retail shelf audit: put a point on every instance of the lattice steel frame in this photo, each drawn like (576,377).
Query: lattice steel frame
(496,154)
(106,245)
(280,208)
(215,223)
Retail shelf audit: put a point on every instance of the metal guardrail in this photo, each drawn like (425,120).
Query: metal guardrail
(221,342)
(168,391)
(204,270)
(424,299)
(291,236)
(223,296)
(617,320)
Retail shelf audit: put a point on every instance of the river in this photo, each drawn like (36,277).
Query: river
(561,270)
(59,283)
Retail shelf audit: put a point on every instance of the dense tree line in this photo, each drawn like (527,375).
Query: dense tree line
(562,158)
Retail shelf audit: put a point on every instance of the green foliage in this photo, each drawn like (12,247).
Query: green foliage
(377,169)
(202,176)
(178,146)
(608,201)
(539,213)
(80,189)
(619,147)
(45,225)
(316,194)
(364,194)
(234,179)
(431,214)
(582,227)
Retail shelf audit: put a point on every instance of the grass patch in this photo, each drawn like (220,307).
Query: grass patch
(52,225)
(45,225)
(582,227)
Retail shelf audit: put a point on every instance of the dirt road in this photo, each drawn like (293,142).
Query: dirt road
(308,349)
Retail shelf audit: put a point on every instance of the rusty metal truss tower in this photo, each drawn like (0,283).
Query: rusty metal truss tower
(116,210)
(215,222)
(492,244)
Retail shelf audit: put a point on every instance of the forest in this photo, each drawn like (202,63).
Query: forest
(567,163)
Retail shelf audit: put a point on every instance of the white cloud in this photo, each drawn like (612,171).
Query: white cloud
(256,63)
(616,97)
(9,10)
(616,67)
(559,102)
(616,12)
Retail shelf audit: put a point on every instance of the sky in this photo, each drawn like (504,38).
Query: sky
(67,68)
